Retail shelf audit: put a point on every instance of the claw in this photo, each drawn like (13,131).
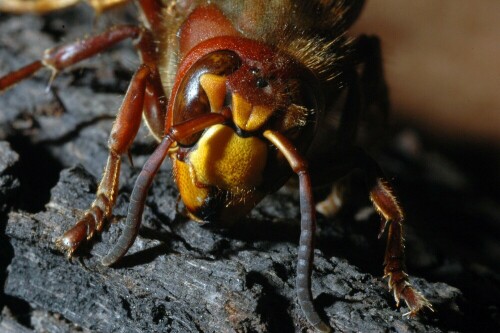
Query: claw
(63,247)
(83,230)
(415,301)
(72,238)
(53,76)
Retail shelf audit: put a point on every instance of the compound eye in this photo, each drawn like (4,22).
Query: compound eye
(191,99)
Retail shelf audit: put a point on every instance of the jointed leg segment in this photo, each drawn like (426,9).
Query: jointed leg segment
(394,263)
(368,90)
(127,121)
(59,58)
(392,215)
(122,134)
(145,178)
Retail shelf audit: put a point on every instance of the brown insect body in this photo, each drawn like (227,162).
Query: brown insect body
(247,83)
(208,30)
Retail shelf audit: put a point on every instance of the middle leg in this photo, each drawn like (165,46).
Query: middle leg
(386,204)
(392,215)
(62,57)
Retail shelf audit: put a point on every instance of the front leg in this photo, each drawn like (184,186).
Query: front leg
(143,93)
(122,134)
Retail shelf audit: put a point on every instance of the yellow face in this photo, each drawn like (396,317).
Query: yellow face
(225,171)
(222,174)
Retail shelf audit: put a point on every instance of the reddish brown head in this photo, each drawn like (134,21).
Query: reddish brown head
(223,172)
